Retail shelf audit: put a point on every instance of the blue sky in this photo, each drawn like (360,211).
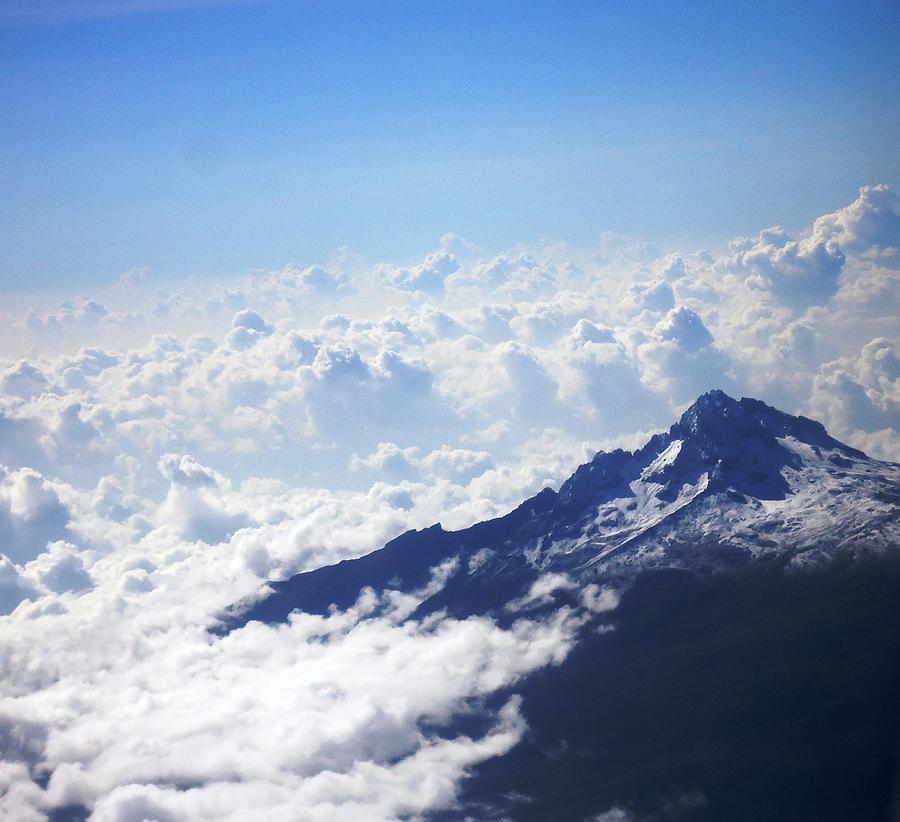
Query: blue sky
(212,138)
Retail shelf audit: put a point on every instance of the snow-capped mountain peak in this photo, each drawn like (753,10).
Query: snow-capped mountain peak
(738,474)
(739,430)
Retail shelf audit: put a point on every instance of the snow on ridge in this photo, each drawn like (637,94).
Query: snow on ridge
(833,500)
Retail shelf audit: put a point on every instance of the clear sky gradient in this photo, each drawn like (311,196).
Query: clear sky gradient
(211,138)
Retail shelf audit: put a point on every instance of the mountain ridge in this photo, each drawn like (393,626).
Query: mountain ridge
(730,483)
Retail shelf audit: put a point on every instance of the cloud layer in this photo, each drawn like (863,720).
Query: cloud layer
(166,450)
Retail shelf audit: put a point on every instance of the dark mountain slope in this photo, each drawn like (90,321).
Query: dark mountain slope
(744,697)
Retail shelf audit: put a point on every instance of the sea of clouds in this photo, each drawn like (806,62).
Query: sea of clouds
(163,451)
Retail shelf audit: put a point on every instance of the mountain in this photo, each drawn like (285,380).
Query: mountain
(745,663)
(733,482)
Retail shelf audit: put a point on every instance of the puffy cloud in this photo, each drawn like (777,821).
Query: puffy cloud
(541,592)
(15,587)
(186,472)
(31,514)
(519,275)
(542,323)
(247,327)
(390,459)
(599,599)
(584,331)
(869,227)
(60,569)
(684,328)
(598,376)
(654,296)
(194,505)
(459,464)
(861,396)
(429,275)
(69,314)
(799,273)
(313,279)
(325,712)
(679,355)
(24,380)
(251,321)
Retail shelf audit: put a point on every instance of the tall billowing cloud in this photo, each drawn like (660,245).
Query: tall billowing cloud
(164,452)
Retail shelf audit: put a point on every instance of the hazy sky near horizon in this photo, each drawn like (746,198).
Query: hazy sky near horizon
(211,138)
